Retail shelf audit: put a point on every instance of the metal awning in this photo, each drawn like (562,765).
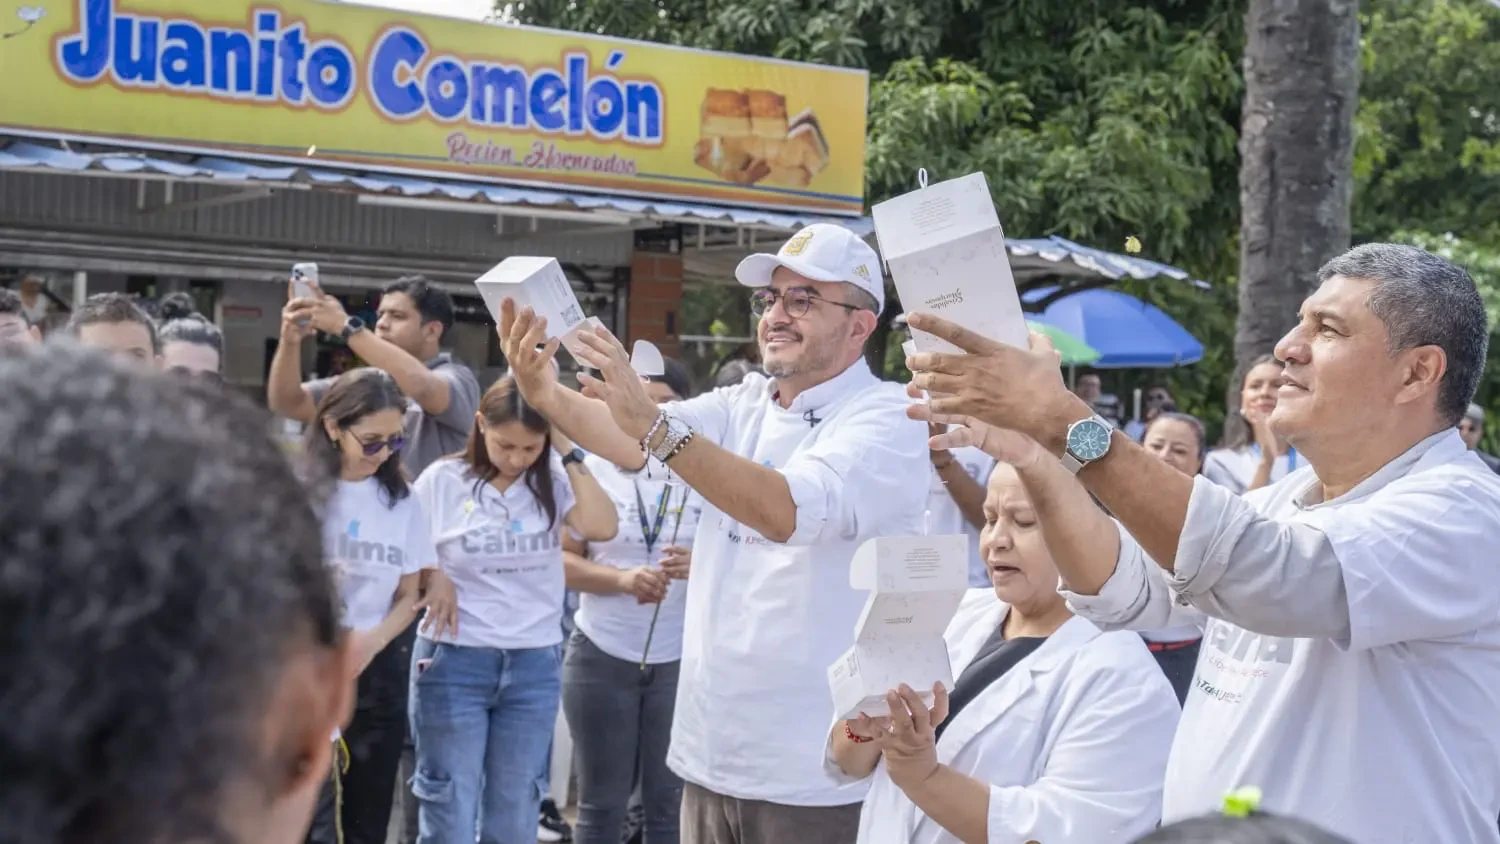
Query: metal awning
(385,189)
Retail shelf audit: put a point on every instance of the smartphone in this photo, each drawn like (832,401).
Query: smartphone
(304,276)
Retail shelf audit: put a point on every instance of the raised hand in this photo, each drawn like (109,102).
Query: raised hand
(954,431)
(909,745)
(621,387)
(523,341)
(1002,386)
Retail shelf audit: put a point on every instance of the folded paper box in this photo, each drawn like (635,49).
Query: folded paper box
(916,584)
(946,252)
(538,283)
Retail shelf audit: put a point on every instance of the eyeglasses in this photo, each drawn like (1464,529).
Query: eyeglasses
(796,301)
(395,444)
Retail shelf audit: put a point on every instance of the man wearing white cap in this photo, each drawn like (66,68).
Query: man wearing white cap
(797,470)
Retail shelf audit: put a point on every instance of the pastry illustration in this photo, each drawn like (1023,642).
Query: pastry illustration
(746,137)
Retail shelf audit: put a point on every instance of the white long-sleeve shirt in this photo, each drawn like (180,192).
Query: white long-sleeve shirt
(764,620)
(1351,661)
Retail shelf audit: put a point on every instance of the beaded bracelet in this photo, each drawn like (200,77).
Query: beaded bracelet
(849,734)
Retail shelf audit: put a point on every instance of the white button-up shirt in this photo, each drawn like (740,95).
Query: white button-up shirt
(1351,660)
(766,619)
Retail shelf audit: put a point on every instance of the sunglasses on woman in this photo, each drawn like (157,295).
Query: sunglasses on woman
(395,444)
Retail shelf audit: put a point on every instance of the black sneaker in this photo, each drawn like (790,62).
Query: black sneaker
(550,826)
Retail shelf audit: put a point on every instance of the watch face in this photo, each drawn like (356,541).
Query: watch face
(1089,440)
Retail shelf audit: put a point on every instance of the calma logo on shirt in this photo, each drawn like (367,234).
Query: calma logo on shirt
(493,541)
(352,548)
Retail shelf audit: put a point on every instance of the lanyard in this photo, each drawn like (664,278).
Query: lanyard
(650,531)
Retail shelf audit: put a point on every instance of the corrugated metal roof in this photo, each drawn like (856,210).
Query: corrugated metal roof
(26,154)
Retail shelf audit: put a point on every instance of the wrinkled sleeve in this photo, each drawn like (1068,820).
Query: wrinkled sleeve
(1102,780)
(1269,576)
(709,413)
(856,482)
(463,397)
(1136,596)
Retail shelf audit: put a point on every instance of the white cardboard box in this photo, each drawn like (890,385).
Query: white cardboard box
(541,284)
(946,252)
(916,584)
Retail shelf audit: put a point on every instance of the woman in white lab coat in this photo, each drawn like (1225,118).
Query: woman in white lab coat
(1054,731)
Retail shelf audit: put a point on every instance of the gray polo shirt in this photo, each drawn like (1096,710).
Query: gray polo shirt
(430,436)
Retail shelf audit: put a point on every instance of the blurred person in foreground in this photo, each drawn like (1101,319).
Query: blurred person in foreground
(1351,660)
(1054,731)
(797,472)
(14,329)
(173,661)
(1471,428)
(114,323)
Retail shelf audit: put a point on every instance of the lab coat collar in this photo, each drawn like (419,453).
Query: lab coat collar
(856,377)
(1438,449)
(1016,684)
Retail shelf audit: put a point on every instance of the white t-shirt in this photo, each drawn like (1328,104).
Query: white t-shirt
(944,517)
(1235,468)
(370,545)
(616,623)
(503,556)
(766,619)
(1351,663)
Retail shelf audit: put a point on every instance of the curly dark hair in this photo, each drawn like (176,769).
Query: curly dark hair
(160,563)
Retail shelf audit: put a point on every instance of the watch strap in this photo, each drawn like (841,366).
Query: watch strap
(574,456)
(1072,462)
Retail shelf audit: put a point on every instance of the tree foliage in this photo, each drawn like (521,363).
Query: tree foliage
(1101,120)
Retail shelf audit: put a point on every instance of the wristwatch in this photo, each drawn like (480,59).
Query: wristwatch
(1088,441)
(677,435)
(574,456)
(353,325)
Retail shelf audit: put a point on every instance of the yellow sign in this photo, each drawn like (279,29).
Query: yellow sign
(409,93)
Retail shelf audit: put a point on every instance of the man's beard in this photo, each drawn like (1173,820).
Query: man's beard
(816,355)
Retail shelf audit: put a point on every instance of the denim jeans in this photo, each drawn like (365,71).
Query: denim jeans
(620,717)
(481,719)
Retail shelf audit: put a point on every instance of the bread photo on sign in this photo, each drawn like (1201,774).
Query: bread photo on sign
(746,137)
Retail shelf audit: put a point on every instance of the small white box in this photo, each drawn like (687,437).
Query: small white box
(946,252)
(540,284)
(916,584)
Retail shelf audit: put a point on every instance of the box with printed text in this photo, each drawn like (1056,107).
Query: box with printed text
(946,252)
(916,584)
(538,283)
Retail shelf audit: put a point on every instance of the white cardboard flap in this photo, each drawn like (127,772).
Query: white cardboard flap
(646,359)
(911,564)
(946,253)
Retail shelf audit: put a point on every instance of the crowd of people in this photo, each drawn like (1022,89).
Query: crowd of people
(212,641)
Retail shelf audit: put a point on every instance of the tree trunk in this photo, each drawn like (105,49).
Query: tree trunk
(1296,161)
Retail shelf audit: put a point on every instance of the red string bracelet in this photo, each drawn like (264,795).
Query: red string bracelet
(849,733)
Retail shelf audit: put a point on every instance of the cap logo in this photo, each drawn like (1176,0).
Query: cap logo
(798,244)
(862,271)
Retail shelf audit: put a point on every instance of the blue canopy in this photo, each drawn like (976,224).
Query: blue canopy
(1126,331)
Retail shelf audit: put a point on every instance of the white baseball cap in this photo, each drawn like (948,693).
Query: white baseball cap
(821,252)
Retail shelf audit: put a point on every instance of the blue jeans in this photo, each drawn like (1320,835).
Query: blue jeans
(482,720)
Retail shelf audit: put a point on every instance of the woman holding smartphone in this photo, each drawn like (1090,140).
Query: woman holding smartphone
(375,540)
(484,704)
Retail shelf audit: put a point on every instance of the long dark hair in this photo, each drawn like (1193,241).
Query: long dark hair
(353,396)
(1237,431)
(500,404)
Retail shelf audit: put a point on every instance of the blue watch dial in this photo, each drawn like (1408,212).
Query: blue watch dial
(1089,440)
